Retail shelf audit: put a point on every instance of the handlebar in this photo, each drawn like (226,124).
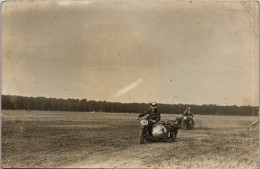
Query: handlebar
(146,119)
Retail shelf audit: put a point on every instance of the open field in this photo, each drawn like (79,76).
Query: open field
(81,139)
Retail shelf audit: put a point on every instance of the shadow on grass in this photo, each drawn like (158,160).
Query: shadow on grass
(201,128)
(167,141)
(185,139)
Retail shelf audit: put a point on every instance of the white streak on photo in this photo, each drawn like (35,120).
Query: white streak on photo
(128,88)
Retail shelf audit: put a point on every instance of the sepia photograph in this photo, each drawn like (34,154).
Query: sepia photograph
(130,84)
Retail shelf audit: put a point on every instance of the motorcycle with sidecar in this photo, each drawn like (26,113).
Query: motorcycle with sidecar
(187,122)
(160,130)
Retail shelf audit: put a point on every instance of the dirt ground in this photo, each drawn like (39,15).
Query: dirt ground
(49,139)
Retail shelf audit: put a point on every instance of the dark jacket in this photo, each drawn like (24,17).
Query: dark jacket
(188,113)
(151,115)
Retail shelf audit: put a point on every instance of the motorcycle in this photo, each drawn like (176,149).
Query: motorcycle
(187,123)
(160,130)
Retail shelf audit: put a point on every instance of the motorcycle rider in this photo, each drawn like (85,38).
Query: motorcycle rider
(188,112)
(153,117)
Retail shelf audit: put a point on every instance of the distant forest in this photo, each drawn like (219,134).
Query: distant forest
(52,104)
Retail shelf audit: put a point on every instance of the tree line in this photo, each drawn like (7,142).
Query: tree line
(52,104)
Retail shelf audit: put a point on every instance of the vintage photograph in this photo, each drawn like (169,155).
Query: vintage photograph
(130,84)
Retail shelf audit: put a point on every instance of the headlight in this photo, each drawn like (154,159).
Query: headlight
(144,122)
(184,117)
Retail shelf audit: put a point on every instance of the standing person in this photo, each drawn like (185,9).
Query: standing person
(153,117)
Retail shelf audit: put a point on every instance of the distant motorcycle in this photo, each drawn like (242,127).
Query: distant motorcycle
(187,123)
(160,130)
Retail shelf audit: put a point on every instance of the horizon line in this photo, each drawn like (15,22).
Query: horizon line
(130,102)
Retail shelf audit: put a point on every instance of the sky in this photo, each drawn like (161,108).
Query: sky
(165,52)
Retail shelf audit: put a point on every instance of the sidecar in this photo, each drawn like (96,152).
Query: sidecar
(160,130)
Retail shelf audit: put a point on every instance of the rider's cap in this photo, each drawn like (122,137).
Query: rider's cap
(153,105)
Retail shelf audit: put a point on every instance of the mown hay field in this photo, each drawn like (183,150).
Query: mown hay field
(81,139)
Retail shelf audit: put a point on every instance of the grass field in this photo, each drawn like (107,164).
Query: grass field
(79,139)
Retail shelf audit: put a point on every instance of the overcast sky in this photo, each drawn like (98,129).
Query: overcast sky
(180,52)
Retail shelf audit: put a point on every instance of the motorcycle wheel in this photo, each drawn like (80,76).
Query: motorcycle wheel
(173,137)
(192,125)
(188,126)
(184,127)
(142,137)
